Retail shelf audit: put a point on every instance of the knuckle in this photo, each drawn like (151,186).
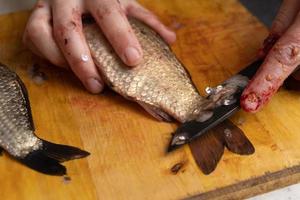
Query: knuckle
(62,29)
(287,52)
(104,11)
(277,26)
(108,9)
(36,29)
(281,20)
(132,8)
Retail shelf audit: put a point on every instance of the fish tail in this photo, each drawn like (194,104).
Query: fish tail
(235,139)
(47,159)
(209,147)
(207,151)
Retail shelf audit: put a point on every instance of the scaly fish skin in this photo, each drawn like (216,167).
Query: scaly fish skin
(17,130)
(160,83)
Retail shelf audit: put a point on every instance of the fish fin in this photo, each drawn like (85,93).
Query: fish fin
(156,112)
(48,158)
(236,141)
(38,161)
(63,153)
(207,150)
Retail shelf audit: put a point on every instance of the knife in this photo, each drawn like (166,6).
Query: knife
(193,129)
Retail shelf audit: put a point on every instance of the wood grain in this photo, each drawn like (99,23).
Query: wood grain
(216,39)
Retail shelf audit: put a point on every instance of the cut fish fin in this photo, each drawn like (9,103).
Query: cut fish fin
(207,151)
(209,147)
(40,162)
(63,153)
(47,159)
(156,112)
(236,141)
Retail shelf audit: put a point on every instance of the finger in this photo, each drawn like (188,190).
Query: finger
(28,43)
(285,17)
(281,61)
(69,36)
(115,26)
(38,35)
(149,18)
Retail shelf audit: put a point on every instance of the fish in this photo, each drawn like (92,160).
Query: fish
(17,131)
(160,84)
(164,88)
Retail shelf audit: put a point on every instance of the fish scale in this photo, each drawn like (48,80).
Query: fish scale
(17,135)
(14,118)
(160,83)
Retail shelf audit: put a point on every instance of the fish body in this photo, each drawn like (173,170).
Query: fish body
(17,135)
(162,86)
(160,83)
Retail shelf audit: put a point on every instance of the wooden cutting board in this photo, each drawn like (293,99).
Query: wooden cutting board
(216,39)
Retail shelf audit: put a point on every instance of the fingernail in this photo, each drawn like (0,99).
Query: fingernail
(94,85)
(132,56)
(250,102)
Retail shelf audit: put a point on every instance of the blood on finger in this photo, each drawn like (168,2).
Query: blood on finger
(250,102)
(288,55)
(76,13)
(253,101)
(269,42)
(73,25)
(269,77)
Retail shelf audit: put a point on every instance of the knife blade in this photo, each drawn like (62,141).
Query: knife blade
(193,129)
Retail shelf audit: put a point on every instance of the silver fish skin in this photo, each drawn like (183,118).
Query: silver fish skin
(16,127)
(160,83)
(17,130)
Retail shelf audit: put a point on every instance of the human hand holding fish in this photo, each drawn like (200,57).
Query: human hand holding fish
(54,32)
(63,43)
(161,106)
(67,29)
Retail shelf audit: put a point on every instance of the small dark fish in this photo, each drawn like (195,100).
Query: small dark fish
(17,135)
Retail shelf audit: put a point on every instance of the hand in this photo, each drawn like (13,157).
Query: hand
(54,32)
(282,51)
